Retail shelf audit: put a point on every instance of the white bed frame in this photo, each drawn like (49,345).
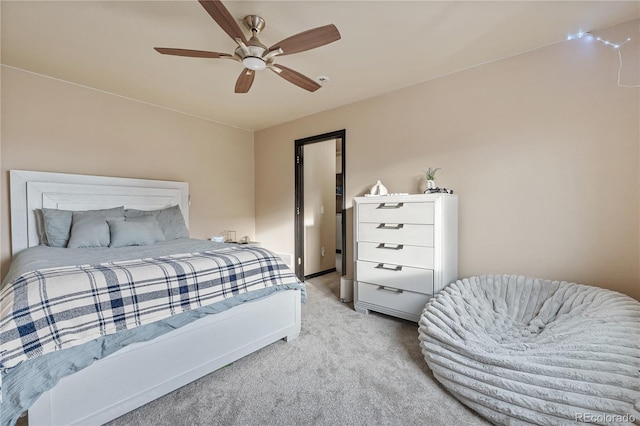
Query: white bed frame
(143,371)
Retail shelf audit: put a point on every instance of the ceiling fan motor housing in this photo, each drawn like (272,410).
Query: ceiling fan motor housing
(252,55)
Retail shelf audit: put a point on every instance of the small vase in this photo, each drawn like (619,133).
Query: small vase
(431,184)
(378,189)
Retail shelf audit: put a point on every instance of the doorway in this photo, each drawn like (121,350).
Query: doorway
(320,231)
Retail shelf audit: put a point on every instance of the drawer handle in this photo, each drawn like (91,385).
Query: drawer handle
(392,290)
(385,226)
(390,206)
(396,268)
(390,247)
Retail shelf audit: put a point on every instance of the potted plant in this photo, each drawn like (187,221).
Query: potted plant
(430,174)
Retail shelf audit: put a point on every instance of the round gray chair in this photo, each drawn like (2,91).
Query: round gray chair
(522,350)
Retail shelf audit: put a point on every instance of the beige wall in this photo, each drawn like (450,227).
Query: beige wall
(542,149)
(50,125)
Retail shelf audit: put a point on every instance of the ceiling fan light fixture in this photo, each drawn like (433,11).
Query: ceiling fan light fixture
(254,63)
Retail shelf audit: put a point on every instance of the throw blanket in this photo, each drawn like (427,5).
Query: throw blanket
(56,308)
(520,350)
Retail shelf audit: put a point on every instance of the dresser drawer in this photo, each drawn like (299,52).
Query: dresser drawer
(396,212)
(400,254)
(396,233)
(405,301)
(396,276)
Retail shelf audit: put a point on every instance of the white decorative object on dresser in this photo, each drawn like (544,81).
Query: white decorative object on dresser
(405,250)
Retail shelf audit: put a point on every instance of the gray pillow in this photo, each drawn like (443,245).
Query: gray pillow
(136,231)
(57,223)
(42,235)
(90,228)
(170,220)
(57,226)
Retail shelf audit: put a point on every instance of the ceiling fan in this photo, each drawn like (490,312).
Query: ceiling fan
(254,55)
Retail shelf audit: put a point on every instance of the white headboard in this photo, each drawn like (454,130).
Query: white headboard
(34,190)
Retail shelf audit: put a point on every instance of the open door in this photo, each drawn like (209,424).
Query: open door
(320,231)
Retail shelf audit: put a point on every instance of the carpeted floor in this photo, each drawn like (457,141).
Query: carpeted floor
(344,369)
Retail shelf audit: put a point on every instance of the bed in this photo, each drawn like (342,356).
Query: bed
(136,365)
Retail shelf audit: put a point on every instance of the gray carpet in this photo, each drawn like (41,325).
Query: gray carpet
(345,368)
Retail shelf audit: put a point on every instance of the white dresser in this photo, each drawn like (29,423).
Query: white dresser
(406,249)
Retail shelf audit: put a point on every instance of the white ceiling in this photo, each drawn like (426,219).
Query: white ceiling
(385,45)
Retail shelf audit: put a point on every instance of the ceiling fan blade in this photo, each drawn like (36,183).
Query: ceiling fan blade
(295,77)
(191,53)
(223,18)
(245,80)
(308,40)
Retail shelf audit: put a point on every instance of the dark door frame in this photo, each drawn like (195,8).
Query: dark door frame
(299,198)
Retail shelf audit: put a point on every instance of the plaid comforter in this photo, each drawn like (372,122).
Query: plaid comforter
(57,308)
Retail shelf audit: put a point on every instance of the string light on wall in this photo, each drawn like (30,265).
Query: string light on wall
(574,36)
(601,40)
(616,46)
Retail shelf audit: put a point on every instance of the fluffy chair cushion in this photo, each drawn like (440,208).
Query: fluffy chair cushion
(522,350)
